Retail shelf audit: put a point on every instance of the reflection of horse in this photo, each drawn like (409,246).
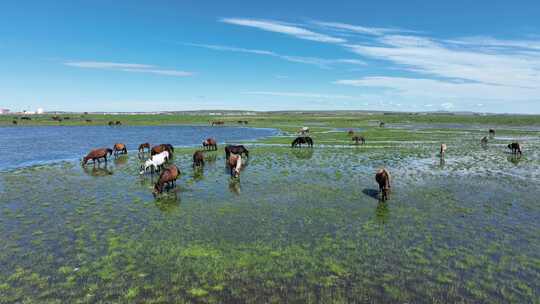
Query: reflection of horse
(358,139)
(210,144)
(167,179)
(383,179)
(382,212)
(234,187)
(303,153)
(168,203)
(516,148)
(97,154)
(302,140)
(121,160)
(119,149)
(97,171)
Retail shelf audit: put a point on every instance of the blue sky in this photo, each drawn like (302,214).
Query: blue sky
(272,55)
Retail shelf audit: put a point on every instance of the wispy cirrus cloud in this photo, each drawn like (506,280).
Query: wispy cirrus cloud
(127,67)
(320,62)
(350,28)
(284,28)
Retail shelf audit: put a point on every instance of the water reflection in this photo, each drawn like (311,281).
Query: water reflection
(442,162)
(303,153)
(168,202)
(97,170)
(514,159)
(121,160)
(382,212)
(234,186)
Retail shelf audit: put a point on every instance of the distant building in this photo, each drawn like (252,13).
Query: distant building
(4,111)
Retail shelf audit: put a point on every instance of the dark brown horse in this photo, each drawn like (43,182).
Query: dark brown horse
(350,132)
(210,144)
(198,159)
(302,140)
(358,139)
(167,179)
(235,165)
(160,148)
(515,147)
(119,148)
(238,149)
(491,133)
(14,122)
(97,154)
(383,179)
(217,123)
(144,146)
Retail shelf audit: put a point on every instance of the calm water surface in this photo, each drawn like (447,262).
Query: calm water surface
(45,144)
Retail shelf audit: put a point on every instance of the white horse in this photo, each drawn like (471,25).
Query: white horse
(155,162)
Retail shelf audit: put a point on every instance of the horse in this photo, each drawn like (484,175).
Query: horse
(238,149)
(303,131)
(119,149)
(97,154)
(167,178)
(442,150)
(491,133)
(383,179)
(198,159)
(88,120)
(111,123)
(350,132)
(210,144)
(235,165)
(484,140)
(381,124)
(14,122)
(118,123)
(155,163)
(144,146)
(160,148)
(359,139)
(217,123)
(515,147)
(302,140)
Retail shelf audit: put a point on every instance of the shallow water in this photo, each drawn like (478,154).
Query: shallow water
(41,144)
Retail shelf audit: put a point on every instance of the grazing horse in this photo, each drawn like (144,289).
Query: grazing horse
(111,123)
(304,131)
(491,132)
(350,132)
(119,149)
(88,120)
(160,148)
(14,122)
(442,150)
(97,154)
(167,179)
(515,147)
(381,124)
(198,159)
(484,140)
(118,123)
(302,140)
(383,179)
(217,123)
(144,146)
(235,165)
(155,163)
(239,149)
(358,139)
(210,144)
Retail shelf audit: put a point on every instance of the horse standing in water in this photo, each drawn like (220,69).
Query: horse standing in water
(97,154)
(442,150)
(302,140)
(119,149)
(155,163)
(144,146)
(383,179)
(167,179)
(210,144)
(238,149)
(217,123)
(235,165)
(358,139)
(198,159)
(160,148)
(516,148)
(491,133)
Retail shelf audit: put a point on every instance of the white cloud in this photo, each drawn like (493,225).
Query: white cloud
(283,28)
(127,67)
(374,31)
(299,95)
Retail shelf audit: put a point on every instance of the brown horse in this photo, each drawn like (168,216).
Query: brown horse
(516,148)
(167,179)
(160,148)
(358,139)
(442,150)
(144,146)
(491,133)
(239,149)
(350,132)
(217,123)
(198,159)
(302,140)
(235,165)
(383,179)
(97,154)
(210,144)
(119,149)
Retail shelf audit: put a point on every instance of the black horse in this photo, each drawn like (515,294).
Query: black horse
(302,140)
(238,149)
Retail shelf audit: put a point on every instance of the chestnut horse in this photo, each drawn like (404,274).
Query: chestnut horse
(144,146)
(160,148)
(383,179)
(167,179)
(97,154)
(239,149)
(217,123)
(235,165)
(119,149)
(442,150)
(515,147)
(302,140)
(198,159)
(210,144)
(358,139)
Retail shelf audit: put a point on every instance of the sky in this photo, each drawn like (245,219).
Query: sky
(481,56)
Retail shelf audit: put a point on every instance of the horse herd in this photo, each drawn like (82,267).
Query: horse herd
(159,156)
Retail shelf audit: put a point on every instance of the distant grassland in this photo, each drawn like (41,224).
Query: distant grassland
(277,120)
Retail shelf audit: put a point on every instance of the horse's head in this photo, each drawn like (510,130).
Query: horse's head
(158,188)
(509,146)
(84,160)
